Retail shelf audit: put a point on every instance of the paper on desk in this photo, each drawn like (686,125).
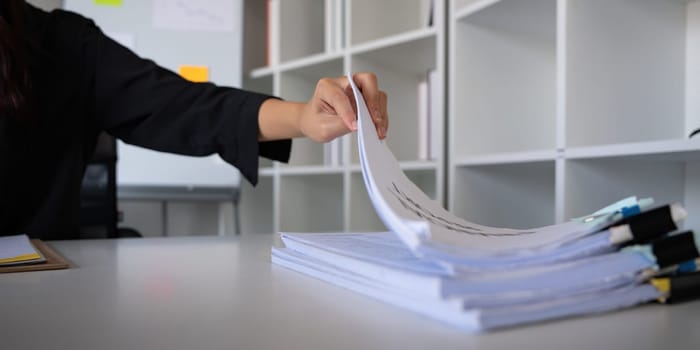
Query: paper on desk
(453,311)
(405,272)
(421,222)
(374,248)
(18,250)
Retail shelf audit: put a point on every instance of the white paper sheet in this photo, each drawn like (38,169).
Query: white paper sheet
(13,247)
(375,256)
(419,221)
(452,311)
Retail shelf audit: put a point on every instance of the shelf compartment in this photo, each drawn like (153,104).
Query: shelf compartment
(311,203)
(363,216)
(265,163)
(255,34)
(594,183)
(411,53)
(371,19)
(504,78)
(625,71)
(299,85)
(302,28)
(513,195)
(401,82)
(256,206)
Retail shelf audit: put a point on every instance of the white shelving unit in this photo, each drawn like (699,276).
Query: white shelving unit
(321,189)
(559,107)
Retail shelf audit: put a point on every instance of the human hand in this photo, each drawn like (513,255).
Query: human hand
(331,112)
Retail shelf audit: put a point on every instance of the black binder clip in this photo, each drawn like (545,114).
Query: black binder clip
(647,226)
(675,249)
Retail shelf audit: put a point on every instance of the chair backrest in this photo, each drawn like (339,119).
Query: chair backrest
(98,195)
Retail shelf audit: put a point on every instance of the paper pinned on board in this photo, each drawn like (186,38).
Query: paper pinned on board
(197,74)
(116,3)
(194,15)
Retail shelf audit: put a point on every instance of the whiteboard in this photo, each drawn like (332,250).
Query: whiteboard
(174,33)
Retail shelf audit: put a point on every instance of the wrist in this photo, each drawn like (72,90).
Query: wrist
(279,120)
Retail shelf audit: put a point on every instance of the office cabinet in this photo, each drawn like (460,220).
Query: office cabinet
(559,107)
(289,46)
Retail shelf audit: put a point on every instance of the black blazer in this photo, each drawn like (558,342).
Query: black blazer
(83,83)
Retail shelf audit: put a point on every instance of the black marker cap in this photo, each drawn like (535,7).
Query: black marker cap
(675,249)
(650,224)
(684,287)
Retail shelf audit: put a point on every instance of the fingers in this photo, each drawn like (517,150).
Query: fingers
(376,100)
(383,126)
(331,92)
(337,95)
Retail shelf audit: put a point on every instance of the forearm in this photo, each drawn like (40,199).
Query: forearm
(278,120)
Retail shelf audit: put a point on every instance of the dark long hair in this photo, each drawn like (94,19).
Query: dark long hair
(14,60)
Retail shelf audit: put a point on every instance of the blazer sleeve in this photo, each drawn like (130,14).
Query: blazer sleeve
(146,105)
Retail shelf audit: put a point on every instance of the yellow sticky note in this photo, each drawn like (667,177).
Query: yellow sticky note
(108,2)
(17,248)
(197,74)
(20,258)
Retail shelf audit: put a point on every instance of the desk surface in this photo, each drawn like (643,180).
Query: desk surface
(223,293)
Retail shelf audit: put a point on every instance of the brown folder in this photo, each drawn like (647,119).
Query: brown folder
(54,261)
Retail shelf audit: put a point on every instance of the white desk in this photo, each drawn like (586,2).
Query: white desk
(223,293)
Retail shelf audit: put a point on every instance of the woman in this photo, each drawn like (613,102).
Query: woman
(62,81)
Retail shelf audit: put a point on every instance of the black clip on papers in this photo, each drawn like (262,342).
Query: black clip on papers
(684,287)
(678,288)
(675,249)
(648,225)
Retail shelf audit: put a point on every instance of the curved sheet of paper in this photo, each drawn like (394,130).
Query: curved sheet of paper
(421,222)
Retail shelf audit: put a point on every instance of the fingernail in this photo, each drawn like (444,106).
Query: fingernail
(382,131)
(354,124)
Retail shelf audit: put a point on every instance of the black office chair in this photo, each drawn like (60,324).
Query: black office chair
(99,215)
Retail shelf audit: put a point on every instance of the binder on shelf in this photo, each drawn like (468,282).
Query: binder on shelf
(423,111)
(436,116)
(273,9)
(429,117)
(426,13)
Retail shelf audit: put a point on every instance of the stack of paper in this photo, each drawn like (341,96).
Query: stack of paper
(477,277)
(18,250)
